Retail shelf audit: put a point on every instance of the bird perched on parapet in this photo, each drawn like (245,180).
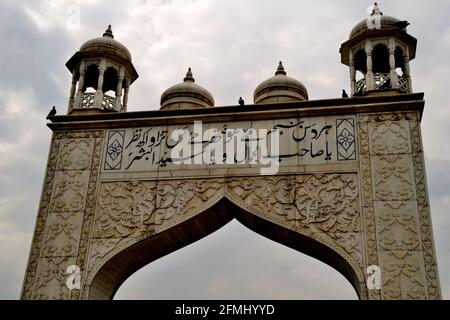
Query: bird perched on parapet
(241,101)
(51,113)
(401,24)
(344,94)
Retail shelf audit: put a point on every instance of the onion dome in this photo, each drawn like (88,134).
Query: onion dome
(106,43)
(386,23)
(186,95)
(280,88)
(104,47)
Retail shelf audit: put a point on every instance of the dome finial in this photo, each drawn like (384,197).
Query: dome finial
(189,76)
(280,69)
(108,33)
(376,10)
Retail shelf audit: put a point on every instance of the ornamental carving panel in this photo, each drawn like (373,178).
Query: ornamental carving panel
(326,205)
(402,276)
(179,200)
(397,226)
(75,154)
(62,234)
(70,191)
(51,279)
(320,203)
(390,137)
(367,195)
(393,180)
(396,209)
(125,208)
(132,207)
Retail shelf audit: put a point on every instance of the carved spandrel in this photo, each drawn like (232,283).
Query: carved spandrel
(186,197)
(321,203)
(125,208)
(131,208)
(325,206)
(100,248)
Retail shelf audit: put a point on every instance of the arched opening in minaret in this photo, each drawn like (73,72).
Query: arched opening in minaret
(399,61)
(111,78)
(113,273)
(91,78)
(360,64)
(380,58)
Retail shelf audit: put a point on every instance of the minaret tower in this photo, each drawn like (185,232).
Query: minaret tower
(101,65)
(379,50)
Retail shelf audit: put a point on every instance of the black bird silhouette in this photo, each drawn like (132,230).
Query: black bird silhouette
(51,113)
(344,94)
(241,101)
(401,24)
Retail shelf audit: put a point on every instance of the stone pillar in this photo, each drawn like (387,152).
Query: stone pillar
(407,73)
(73,89)
(118,105)
(370,82)
(99,93)
(352,73)
(125,96)
(79,95)
(393,72)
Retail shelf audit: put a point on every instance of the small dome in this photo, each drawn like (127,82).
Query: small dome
(386,23)
(280,88)
(107,43)
(186,95)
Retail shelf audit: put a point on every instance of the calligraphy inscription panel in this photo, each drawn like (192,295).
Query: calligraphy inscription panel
(301,142)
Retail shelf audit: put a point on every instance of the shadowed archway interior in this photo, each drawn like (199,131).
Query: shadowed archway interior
(121,266)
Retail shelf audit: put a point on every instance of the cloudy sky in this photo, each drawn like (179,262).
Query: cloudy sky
(231,46)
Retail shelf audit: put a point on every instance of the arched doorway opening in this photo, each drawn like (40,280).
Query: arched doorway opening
(235,263)
(117,269)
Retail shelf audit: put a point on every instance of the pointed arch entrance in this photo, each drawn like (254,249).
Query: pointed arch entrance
(193,209)
(116,270)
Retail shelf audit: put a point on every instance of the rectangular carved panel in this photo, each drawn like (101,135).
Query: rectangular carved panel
(345,139)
